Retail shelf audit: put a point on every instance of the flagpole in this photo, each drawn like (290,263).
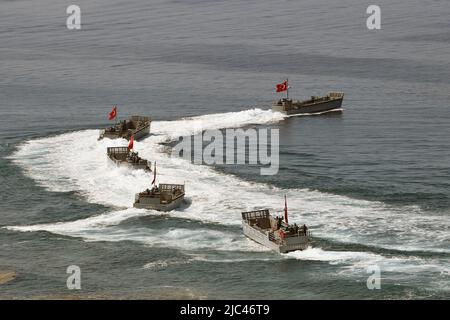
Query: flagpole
(287,89)
(154,174)
(285,211)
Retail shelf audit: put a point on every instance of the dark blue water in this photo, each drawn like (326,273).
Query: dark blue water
(372,182)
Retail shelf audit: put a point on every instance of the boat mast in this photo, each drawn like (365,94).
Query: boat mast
(285,211)
(287,89)
(154,175)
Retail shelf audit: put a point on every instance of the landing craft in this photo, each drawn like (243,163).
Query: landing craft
(123,156)
(164,197)
(275,233)
(332,101)
(136,126)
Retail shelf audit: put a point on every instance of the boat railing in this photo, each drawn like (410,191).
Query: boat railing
(117,150)
(271,236)
(139,129)
(336,95)
(140,118)
(165,187)
(140,122)
(256,214)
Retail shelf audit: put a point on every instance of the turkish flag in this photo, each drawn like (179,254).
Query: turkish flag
(282,86)
(131,143)
(113,113)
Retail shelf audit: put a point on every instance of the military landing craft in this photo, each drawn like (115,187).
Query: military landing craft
(123,156)
(332,101)
(137,126)
(275,233)
(164,197)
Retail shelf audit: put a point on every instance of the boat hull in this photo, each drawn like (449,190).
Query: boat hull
(136,126)
(127,164)
(311,108)
(137,134)
(289,244)
(156,205)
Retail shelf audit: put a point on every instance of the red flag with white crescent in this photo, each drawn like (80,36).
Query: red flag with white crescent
(154,174)
(131,143)
(113,113)
(282,86)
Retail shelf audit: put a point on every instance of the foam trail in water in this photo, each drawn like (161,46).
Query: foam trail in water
(393,267)
(197,242)
(76,162)
(191,126)
(105,227)
(77,227)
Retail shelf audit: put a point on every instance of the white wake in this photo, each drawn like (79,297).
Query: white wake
(77,162)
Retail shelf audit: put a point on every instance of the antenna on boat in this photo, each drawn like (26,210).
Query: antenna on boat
(285,210)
